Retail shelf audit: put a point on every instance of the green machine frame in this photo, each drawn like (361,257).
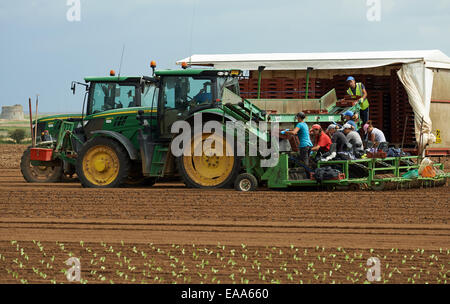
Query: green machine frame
(278,176)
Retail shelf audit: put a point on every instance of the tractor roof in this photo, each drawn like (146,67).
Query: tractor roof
(193,72)
(187,72)
(116,78)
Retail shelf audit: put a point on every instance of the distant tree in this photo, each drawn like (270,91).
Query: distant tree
(17,135)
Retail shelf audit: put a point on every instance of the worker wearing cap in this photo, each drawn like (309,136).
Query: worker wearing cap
(322,142)
(301,130)
(375,135)
(348,118)
(354,140)
(358,89)
(338,138)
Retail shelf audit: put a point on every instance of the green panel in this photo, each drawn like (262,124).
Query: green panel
(277,177)
(64,134)
(159,160)
(189,72)
(310,118)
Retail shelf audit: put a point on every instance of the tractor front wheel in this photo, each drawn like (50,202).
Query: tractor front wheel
(39,174)
(103,163)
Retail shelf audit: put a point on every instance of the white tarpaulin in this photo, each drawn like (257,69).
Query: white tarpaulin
(319,61)
(418,82)
(416,73)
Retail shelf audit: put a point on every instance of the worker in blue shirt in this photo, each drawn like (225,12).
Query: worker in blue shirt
(348,118)
(302,131)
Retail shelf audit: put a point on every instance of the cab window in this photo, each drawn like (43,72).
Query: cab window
(110,96)
(186,92)
(150,95)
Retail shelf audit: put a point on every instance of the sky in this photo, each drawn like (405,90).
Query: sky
(42,52)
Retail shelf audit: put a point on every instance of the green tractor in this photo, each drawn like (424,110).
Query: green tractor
(105,97)
(130,131)
(116,144)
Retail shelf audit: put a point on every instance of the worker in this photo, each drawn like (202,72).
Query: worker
(354,140)
(374,135)
(322,142)
(350,118)
(338,138)
(358,89)
(301,130)
(203,96)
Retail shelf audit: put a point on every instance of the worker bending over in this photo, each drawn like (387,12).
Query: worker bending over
(358,89)
(322,142)
(374,135)
(338,138)
(354,139)
(350,118)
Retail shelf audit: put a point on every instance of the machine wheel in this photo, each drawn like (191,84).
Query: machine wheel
(378,186)
(354,187)
(102,163)
(39,174)
(246,182)
(210,170)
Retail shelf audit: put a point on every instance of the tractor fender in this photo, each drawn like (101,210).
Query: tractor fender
(126,143)
(210,116)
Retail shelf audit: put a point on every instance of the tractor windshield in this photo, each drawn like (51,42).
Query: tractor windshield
(110,96)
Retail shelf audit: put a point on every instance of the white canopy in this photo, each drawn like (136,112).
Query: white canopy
(416,73)
(319,61)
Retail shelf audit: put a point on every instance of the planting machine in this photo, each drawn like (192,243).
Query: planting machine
(124,136)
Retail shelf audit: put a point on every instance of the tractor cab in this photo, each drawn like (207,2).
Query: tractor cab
(184,92)
(112,93)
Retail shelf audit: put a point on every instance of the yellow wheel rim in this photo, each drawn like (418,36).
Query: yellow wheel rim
(213,167)
(101,165)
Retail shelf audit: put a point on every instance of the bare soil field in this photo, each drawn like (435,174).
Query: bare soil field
(168,233)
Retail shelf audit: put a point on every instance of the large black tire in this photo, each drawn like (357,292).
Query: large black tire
(102,154)
(192,176)
(39,174)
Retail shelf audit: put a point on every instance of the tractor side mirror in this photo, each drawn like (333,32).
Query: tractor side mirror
(72,87)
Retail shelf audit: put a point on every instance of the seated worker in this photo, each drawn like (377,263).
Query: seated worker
(376,136)
(349,117)
(322,142)
(301,130)
(354,140)
(338,138)
(203,96)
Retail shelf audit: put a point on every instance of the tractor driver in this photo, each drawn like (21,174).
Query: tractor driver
(203,96)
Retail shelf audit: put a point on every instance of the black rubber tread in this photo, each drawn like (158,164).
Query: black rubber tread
(250,177)
(25,169)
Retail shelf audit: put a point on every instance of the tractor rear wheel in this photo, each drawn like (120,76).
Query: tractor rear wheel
(213,169)
(102,163)
(39,174)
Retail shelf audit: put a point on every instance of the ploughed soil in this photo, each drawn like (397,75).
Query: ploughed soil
(168,233)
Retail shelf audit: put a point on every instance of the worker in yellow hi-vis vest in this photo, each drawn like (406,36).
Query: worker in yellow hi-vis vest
(358,89)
